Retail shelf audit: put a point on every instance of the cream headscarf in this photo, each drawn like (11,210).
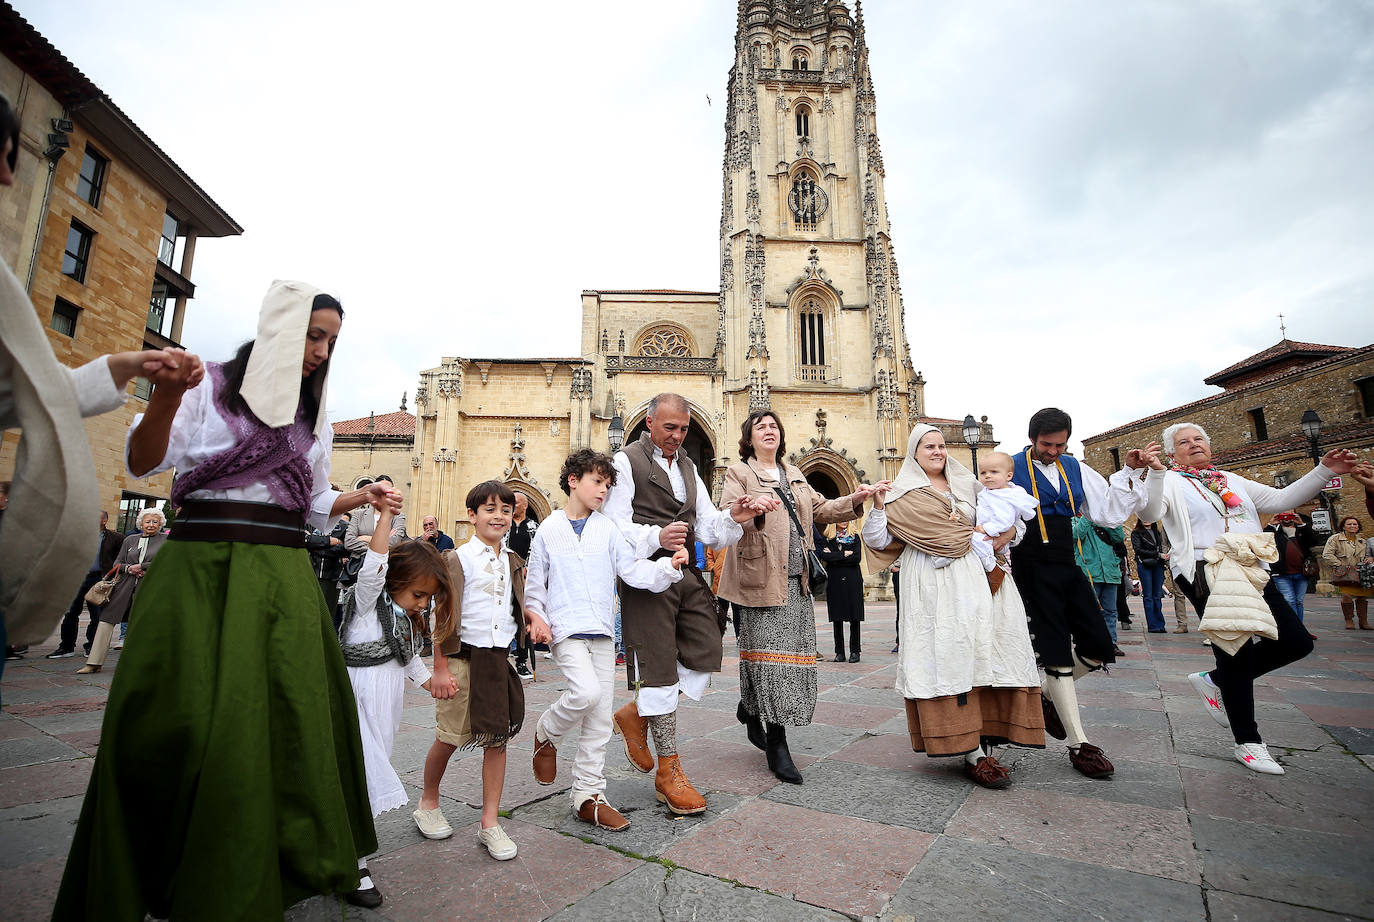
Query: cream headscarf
(913,477)
(272,381)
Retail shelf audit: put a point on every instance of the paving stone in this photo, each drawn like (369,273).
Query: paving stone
(456,878)
(1339,716)
(1126,836)
(36,832)
(652,893)
(48,781)
(1112,699)
(30,750)
(1152,784)
(32,901)
(1129,717)
(694,722)
(1280,801)
(779,848)
(331,909)
(1235,907)
(1357,739)
(396,829)
(919,800)
(653,828)
(873,697)
(462,780)
(12,728)
(960,880)
(1281,863)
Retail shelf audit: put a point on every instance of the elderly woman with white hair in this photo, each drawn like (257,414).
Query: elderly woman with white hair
(1203,509)
(135,557)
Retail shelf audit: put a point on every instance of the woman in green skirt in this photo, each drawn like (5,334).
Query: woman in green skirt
(229,782)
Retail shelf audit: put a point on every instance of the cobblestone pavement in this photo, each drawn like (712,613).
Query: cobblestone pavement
(1181,832)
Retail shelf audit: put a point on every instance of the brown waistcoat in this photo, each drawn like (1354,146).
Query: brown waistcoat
(654,502)
(453,644)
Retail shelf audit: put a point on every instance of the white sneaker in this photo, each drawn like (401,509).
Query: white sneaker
(499,845)
(1211,696)
(432,824)
(1256,757)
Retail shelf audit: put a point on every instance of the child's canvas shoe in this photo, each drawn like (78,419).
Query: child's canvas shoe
(499,845)
(432,824)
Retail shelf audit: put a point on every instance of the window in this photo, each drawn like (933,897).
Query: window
(157,306)
(811,341)
(64,314)
(143,388)
(807,200)
(1116,459)
(1258,430)
(167,249)
(1366,389)
(78,251)
(803,122)
(131,506)
(92,179)
(799,62)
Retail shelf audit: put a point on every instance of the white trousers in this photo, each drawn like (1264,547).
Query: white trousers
(589,668)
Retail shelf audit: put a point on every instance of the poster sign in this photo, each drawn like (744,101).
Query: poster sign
(1321,521)
(1333,484)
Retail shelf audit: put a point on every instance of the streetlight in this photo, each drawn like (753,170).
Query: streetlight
(972,432)
(1311,425)
(616,436)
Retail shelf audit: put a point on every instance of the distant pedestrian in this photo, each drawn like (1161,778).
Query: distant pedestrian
(134,561)
(1347,549)
(432,535)
(844,590)
(1295,541)
(1148,543)
(108,545)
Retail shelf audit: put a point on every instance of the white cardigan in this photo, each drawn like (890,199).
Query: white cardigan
(570,580)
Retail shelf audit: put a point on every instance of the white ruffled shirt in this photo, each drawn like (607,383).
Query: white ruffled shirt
(714,528)
(486,620)
(364,626)
(199,433)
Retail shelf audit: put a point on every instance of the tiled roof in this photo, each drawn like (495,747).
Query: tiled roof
(1342,435)
(398,424)
(1266,380)
(1283,349)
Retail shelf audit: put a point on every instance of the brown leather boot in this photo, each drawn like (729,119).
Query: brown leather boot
(672,788)
(635,730)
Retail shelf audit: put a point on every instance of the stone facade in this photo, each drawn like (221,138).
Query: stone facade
(1255,422)
(138,188)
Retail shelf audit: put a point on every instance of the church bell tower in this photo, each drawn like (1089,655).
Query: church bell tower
(810,311)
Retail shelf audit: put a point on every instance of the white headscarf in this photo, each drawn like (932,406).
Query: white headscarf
(913,477)
(272,381)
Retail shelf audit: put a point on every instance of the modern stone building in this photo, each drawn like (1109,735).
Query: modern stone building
(101,226)
(1256,420)
(808,320)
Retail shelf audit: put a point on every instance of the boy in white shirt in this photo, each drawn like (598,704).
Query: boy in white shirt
(570,593)
(1001,504)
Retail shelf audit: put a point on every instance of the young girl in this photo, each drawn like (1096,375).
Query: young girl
(382,630)
(229,782)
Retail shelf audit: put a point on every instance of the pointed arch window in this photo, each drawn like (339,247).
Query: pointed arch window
(799,62)
(803,121)
(807,200)
(811,341)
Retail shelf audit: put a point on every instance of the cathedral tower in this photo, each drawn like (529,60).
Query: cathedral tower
(810,311)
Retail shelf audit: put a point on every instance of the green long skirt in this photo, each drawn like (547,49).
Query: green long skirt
(229,782)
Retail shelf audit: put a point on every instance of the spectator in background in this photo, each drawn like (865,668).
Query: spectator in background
(1095,553)
(1148,543)
(1295,540)
(108,543)
(1347,548)
(328,554)
(434,536)
(1180,600)
(519,539)
(135,558)
(844,591)
(364,523)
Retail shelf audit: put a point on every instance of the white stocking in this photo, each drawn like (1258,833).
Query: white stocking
(1060,691)
(1082,667)
(973,757)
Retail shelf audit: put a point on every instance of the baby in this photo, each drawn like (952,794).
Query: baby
(1000,504)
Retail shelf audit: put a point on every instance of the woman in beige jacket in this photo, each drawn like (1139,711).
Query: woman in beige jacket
(765,577)
(1346,548)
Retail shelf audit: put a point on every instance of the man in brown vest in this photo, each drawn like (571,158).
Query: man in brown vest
(672,641)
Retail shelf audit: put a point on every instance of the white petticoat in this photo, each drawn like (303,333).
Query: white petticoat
(380,692)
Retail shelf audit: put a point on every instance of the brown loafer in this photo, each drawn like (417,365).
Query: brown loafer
(545,761)
(601,814)
(1053,725)
(635,730)
(988,772)
(1090,761)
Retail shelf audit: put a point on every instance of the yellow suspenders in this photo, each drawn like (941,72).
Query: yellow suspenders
(1035,491)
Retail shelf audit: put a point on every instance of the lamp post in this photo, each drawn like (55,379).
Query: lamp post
(1311,425)
(616,435)
(972,432)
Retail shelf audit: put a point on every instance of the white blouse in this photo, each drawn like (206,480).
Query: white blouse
(486,616)
(364,626)
(199,433)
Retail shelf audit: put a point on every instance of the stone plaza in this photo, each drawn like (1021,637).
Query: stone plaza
(1182,832)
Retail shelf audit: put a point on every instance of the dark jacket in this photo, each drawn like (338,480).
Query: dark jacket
(110,543)
(1306,540)
(328,559)
(441,542)
(844,591)
(1149,546)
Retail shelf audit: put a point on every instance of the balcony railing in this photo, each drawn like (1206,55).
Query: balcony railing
(813,374)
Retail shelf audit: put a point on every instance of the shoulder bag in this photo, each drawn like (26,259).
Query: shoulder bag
(99,594)
(815,569)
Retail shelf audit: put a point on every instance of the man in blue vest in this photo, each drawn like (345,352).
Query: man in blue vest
(1067,628)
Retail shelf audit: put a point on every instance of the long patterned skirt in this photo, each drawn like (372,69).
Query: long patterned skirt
(777,659)
(229,782)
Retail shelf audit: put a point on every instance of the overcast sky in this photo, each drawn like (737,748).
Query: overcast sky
(1094,204)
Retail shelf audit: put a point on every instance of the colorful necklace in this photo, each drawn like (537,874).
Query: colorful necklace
(1212,479)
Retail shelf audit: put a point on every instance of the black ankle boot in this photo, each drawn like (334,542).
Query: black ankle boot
(753,727)
(779,759)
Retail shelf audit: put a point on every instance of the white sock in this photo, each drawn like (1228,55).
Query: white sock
(973,757)
(366,882)
(1060,691)
(1082,667)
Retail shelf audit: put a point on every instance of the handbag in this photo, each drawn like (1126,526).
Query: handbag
(99,593)
(815,569)
(351,568)
(1366,575)
(1346,574)
(1310,568)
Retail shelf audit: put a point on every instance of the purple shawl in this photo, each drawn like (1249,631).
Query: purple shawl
(275,458)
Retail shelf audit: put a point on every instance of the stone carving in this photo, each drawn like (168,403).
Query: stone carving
(751,203)
(664,340)
(581,383)
(421,396)
(666,364)
(415,462)
(621,347)
(605,343)
(754,275)
(549,369)
(758,389)
(446,455)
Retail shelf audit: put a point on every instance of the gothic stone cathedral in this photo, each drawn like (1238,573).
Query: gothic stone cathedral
(808,319)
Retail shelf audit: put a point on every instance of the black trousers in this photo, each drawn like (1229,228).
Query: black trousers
(72,619)
(854,627)
(1235,674)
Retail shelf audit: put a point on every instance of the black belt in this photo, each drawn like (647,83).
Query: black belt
(234,520)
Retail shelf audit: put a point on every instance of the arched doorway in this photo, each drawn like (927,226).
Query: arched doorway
(824,484)
(697,445)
